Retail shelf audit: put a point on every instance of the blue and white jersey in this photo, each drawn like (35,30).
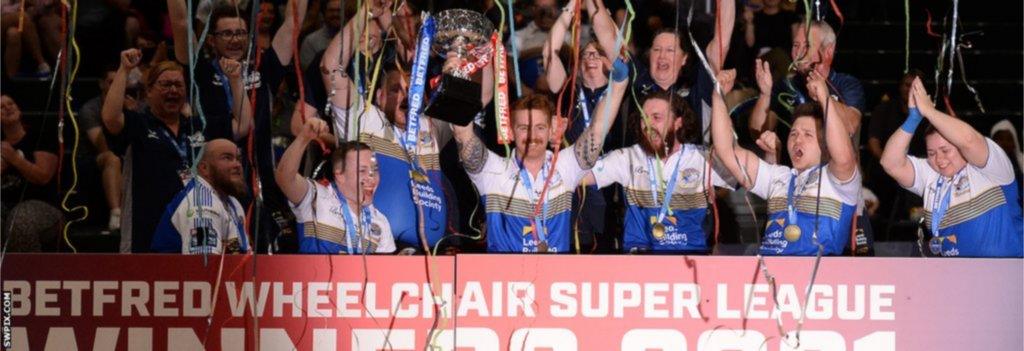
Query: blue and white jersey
(198,221)
(510,209)
(322,228)
(983,218)
(395,172)
(631,167)
(835,210)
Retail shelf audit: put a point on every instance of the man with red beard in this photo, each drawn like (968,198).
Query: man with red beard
(811,203)
(162,141)
(336,216)
(206,217)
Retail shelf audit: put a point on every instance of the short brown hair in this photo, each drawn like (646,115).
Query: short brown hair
(159,69)
(814,111)
(689,133)
(338,156)
(534,101)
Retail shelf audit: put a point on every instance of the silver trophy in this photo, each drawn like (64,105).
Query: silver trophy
(468,34)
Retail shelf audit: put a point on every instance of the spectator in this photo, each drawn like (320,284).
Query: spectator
(206,217)
(19,36)
(1005,135)
(967,183)
(161,138)
(317,41)
(595,62)
(89,119)
(769,27)
(351,185)
(28,162)
(269,22)
(668,55)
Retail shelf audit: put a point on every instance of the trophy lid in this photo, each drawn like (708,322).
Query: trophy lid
(458,27)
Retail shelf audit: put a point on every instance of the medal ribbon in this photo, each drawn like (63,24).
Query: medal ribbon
(178,144)
(539,219)
(791,195)
(243,240)
(350,227)
(941,201)
(416,91)
(655,185)
(501,91)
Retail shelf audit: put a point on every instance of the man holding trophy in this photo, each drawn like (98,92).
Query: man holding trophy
(527,195)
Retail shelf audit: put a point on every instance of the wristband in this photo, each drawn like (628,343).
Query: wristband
(913,119)
(619,70)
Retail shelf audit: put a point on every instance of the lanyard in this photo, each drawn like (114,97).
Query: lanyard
(179,145)
(584,103)
(350,227)
(226,85)
(655,185)
(540,220)
(791,195)
(416,91)
(940,203)
(243,240)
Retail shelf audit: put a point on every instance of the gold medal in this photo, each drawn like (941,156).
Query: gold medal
(542,247)
(418,177)
(792,232)
(658,231)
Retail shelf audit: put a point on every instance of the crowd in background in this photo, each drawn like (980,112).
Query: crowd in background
(234,105)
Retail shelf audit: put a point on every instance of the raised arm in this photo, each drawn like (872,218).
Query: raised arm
(282,42)
(761,117)
(972,145)
(332,66)
(894,157)
(241,112)
(113,104)
(591,142)
(719,45)
(293,184)
(179,28)
(553,66)
(604,27)
(735,158)
(842,160)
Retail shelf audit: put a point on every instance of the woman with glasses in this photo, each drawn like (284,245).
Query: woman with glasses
(163,143)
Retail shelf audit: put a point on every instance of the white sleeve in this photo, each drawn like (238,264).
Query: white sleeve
(717,170)
(182,223)
(340,121)
(998,167)
(569,167)
(612,168)
(923,175)
(766,174)
(387,239)
(494,167)
(850,190)
(304,209)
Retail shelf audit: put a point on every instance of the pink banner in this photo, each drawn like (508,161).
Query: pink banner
(508,302)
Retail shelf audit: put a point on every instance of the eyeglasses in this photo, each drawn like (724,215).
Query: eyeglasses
(591,54)
(227,34)
(170,84)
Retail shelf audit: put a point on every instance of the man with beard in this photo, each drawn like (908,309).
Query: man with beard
(206,217)
(666,180)
(336,216)
(414,180)
(970,194)
(811,203)
(162,141)
(528,194)
(669,54)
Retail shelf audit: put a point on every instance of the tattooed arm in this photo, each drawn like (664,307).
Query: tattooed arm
(472,151)
(588,147)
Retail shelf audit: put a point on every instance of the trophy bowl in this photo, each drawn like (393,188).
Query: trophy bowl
(461,30)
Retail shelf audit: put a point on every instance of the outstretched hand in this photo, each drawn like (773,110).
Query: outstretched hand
(763,71)
(919,97)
